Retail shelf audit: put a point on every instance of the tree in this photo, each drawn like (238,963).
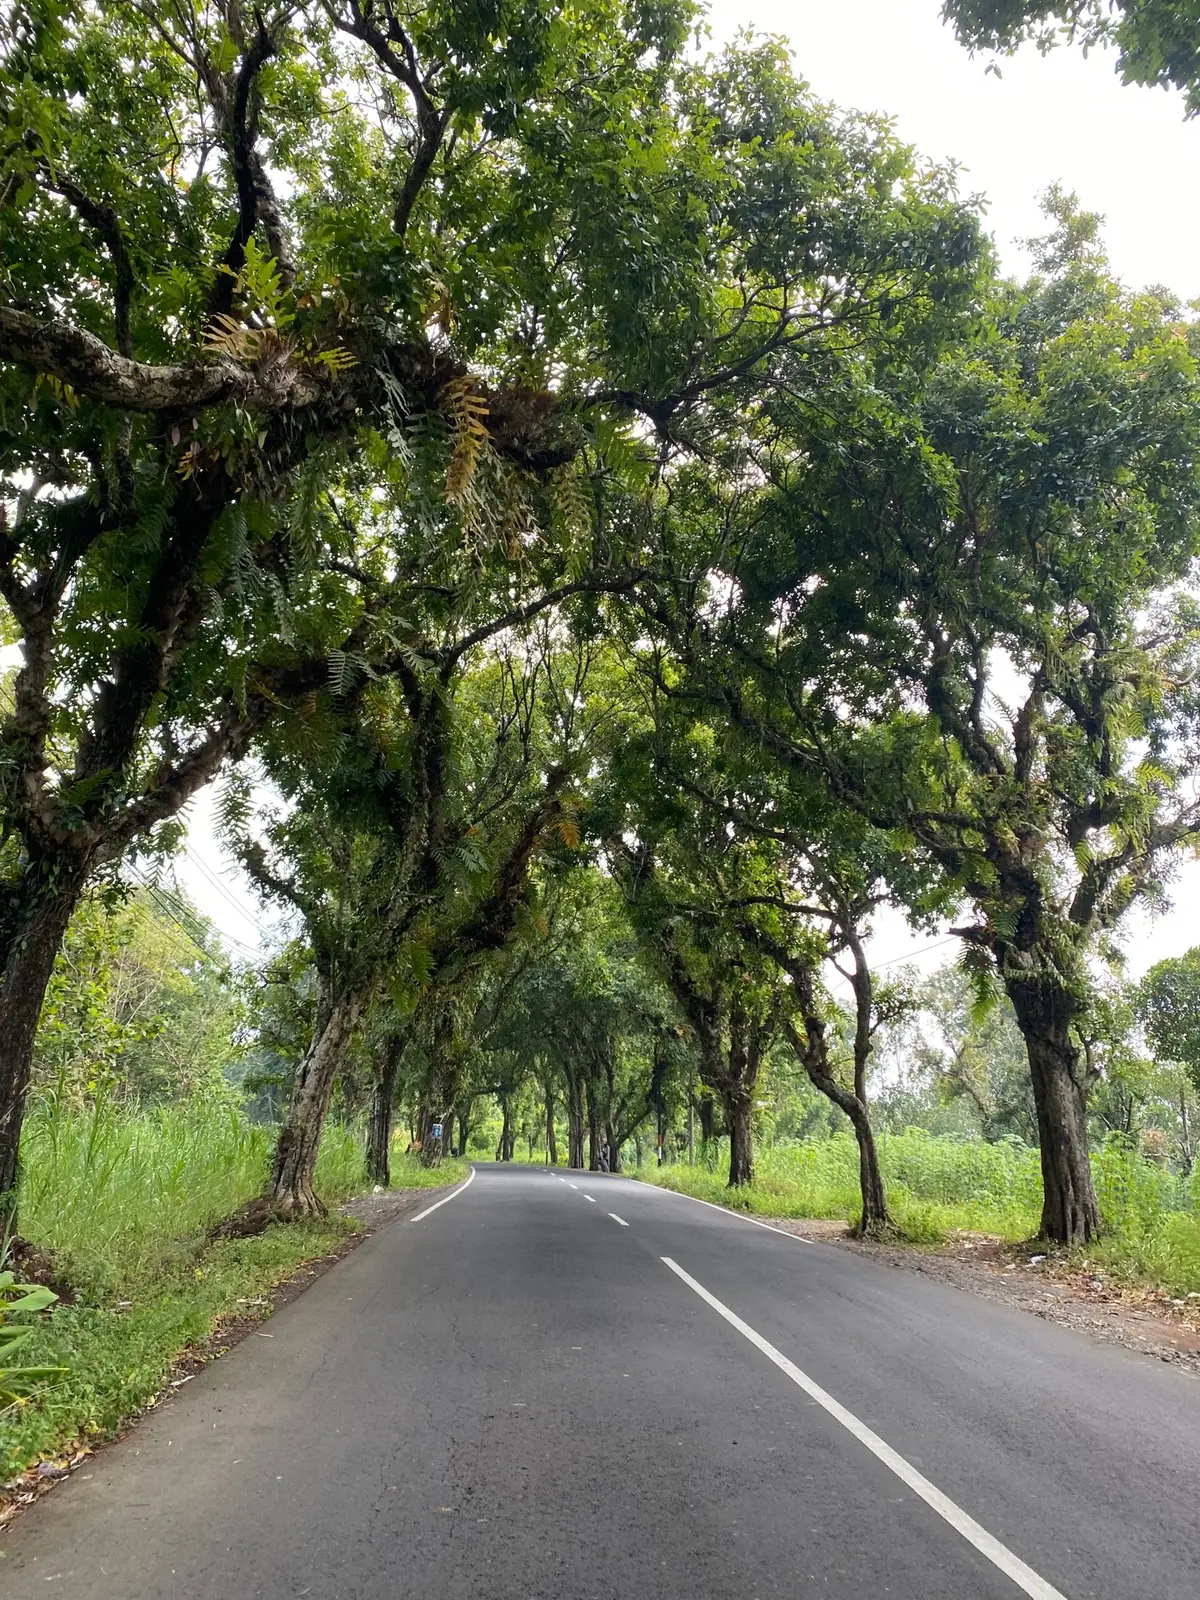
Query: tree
(1168,1005)
(1157,41)
(1002,547)
(141,1006)
(356,343)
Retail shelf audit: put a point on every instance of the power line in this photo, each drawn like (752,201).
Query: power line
(176,911)
(215,881)
(162,901)
(892,961)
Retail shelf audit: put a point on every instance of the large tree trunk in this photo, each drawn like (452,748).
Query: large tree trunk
(1070,1214)
(292,1192)
(875,1219)
(705,1107)
(593,1127)
(464,1128)
(738,1106)
(551,1139)
(504,1150)
(575,1123)
(37,933)
(379,1122)
(614,1148)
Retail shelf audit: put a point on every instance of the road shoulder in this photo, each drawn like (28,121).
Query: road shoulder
(1067,1292)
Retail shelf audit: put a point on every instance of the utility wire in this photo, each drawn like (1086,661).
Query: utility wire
(177,911)
(162,901)
(878,966)
(215,879)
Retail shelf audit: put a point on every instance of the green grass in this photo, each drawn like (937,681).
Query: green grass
(934,1184)
(120,1197)
(408,1173)
(1167,1258)
(117,1360)
(123,1199)
(939,1184)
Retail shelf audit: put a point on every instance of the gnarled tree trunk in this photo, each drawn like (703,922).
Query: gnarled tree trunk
(379,1120)
(464,1127)
(812,1051)
(738,1106)
(1070,1214)
(551,1139)
(504,1150)
(295,1165)
(705,1107)
(37,932)
(575,1124)
(593,1129)
(614,1147)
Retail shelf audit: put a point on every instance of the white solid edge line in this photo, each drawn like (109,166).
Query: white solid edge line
(446,1199)
(1025,1578)
(616,1218)
(738,1216)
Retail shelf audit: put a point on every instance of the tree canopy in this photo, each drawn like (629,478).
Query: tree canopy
(619,527)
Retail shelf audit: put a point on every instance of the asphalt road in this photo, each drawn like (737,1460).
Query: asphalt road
(516,1397)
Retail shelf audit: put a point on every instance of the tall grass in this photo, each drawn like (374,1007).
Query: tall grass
(124,1200)
(939,1183)
(119,1197)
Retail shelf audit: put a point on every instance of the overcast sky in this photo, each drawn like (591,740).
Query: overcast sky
(1126,152)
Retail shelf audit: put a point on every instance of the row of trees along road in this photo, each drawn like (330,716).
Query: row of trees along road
(576,475)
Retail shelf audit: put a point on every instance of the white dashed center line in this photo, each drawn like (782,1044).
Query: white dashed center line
(588,1197)
(616,1218)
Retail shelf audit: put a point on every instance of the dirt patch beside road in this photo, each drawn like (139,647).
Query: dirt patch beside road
(1060,1289)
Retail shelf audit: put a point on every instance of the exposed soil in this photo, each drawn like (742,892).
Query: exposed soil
(1061,1289)
(370,1211)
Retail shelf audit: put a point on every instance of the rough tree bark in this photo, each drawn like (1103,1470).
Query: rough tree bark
(738,1106)
(812,1049)
(593,1128)
(575,1123)
(551,1139)
(38,930)
(1070,1213)
(292,1194)
(504,1150)
(705,1107)
(875,1219)
(464,1127)
(379,1121)
(614,1142)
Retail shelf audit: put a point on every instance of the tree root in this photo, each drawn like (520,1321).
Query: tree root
(31,1264)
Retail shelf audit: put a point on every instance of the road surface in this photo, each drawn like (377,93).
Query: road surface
(576,1387)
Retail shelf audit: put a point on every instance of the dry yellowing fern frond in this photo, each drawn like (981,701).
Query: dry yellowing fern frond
(466,410)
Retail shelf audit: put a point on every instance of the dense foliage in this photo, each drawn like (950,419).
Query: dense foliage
(609,528)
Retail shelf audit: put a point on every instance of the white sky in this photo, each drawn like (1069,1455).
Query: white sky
(1126,152)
